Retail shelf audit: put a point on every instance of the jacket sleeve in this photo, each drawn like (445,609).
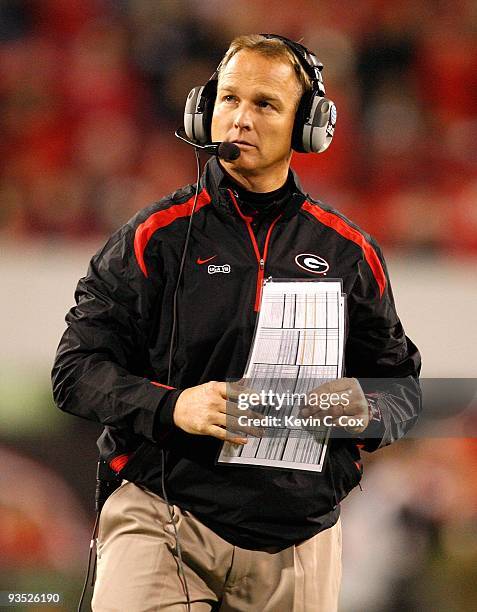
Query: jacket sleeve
(382,357)
(101,367)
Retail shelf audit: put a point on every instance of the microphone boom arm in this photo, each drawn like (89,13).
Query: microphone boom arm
(228,151)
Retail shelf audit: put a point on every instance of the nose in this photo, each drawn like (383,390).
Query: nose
(243,117)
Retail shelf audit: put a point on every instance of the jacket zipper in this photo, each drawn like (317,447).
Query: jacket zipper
(261,258)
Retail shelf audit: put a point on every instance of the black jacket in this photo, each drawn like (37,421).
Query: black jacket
(112,361)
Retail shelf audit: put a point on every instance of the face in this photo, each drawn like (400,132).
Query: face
(255,109)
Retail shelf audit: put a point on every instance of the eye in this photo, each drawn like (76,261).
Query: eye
(264,104)
(229,98)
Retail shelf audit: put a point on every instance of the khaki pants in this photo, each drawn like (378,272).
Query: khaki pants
(138,569)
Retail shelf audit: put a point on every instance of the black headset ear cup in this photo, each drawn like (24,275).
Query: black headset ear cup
(198,112)
(315,122)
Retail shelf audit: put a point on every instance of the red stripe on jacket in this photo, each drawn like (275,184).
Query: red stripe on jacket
(119,462)
(162,218)
(157,384)
(350,233)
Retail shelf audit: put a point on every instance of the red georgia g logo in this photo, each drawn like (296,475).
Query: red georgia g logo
(312,263)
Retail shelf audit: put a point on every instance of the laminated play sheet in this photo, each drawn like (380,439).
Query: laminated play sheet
(297,346)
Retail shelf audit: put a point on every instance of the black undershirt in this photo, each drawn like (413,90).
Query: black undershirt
(260,205)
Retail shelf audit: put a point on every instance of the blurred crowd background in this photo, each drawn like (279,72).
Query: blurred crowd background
(91,92)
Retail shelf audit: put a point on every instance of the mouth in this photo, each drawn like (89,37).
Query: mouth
(243,144)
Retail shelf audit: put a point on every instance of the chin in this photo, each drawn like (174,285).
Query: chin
(241,164)
(246,161)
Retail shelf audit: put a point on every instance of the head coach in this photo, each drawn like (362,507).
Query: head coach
(166,314)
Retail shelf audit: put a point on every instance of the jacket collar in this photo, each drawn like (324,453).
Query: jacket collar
(213,181)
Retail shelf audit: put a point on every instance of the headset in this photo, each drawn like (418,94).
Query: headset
(315,118)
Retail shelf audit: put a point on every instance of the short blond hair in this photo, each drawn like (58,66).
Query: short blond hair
(269,47)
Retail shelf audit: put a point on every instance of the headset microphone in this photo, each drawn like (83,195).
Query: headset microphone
(228,151)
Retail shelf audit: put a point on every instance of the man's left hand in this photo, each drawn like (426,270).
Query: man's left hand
(343,400)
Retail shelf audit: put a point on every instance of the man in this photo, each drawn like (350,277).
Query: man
(251,539)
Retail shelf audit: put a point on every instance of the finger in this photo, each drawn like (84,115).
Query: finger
(234,391)
(244,425)
(358,408)
(332,400)
(220,388)
(340,384)
(229,390)
(323,388)
(335,386)
(238,404)
(232,409)
(241,424)
(319,397)
(222,434)
(335,410)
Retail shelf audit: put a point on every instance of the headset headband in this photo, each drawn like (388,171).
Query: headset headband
(308,60)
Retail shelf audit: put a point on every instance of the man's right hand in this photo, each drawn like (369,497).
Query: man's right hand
(207,410)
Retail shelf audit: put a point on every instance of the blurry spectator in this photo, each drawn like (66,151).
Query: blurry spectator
(41,523)
(423,495)
(86,88)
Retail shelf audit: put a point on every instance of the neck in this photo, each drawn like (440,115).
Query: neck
(257,184)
